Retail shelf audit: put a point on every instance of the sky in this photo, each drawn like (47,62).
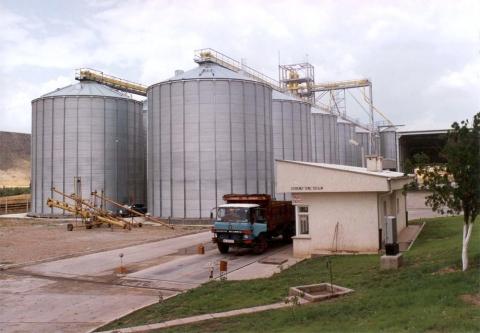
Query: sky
(423,57)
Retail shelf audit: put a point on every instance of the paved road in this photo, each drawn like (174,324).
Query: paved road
(81,293)
(104,263)
(189,271)
(30,304)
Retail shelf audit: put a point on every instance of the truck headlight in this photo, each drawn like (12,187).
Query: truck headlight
(245,236)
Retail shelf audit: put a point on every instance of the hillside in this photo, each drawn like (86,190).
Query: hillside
(14,159)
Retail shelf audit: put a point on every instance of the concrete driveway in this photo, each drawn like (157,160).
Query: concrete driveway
(103,264)
(29,304)
(81,293)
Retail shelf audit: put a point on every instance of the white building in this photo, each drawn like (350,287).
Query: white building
(342,208)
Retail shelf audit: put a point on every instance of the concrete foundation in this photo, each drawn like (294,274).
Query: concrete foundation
(319,292)
(391,262)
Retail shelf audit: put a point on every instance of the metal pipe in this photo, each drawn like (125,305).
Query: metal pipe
(95,194)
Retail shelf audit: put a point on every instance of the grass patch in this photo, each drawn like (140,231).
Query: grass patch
(9,191)
(412,299)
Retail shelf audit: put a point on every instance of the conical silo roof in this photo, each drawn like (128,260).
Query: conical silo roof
(209,71)
(86,88)
(316,110)
(343,121)
(277,95)
(361,130)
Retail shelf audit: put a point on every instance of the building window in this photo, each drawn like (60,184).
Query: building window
(302,218)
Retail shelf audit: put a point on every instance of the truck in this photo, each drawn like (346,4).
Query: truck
(252,220)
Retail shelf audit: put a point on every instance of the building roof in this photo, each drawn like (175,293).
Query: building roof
(423,132)
(348,168)
(307,177)
(87,88)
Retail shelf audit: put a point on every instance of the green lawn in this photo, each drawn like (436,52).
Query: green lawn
(424,295)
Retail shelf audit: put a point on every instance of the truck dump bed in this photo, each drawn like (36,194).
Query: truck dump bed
(262,200)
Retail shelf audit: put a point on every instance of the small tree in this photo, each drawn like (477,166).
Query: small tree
(418,160)
(455,186)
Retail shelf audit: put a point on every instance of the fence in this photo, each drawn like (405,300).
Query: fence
(10,205)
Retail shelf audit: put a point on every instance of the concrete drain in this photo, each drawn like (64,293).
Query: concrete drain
(319,292)
(273,260)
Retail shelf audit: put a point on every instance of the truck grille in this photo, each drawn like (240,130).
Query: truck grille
(230,235)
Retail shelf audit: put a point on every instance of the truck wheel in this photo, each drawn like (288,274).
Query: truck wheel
(70,227)
(223,248)
(261,245)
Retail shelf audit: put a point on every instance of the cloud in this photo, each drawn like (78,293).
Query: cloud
(18,97)
(467,77)
(415,52)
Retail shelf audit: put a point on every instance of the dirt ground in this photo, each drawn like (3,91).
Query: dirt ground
(28,240)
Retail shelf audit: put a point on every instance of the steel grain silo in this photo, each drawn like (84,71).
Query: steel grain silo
(362,138)
(388,147)
(291,129)
(90,131)
(346,150)
(209,134)
(324,137)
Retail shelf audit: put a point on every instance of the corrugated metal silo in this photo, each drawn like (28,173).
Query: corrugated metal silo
(346,132)
(291,130)
(209,134)
(145,146)
(324,137)
(388,147)
(90,131)
(362,137)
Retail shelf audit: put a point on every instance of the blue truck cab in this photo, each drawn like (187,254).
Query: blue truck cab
(250,221)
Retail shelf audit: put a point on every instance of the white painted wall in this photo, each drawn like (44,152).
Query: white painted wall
(394,208)
(329,180)
(357,217)
(401,211)
(354,198)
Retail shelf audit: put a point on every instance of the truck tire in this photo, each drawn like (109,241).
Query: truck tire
(223,248)
(261,245)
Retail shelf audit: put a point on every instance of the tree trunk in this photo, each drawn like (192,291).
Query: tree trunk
(467,232)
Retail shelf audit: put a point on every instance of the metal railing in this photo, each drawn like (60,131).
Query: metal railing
(210,55)
(348,84)
(110,80)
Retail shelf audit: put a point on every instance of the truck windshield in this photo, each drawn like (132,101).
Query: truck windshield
(231,214)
